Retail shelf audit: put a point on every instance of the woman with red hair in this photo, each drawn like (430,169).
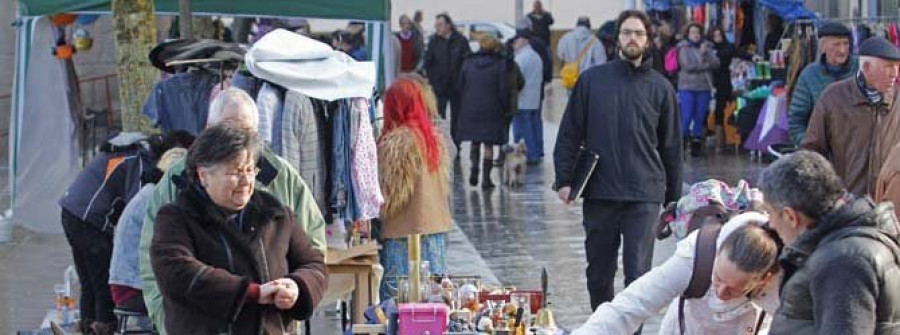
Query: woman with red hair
(412,168)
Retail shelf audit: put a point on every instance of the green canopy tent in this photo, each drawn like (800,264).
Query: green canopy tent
(366,10)
(42,142)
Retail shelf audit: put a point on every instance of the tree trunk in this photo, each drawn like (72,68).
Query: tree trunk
(185,12)
(134,25)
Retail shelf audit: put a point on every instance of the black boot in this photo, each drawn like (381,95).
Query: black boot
(696,147)
(475,156)
(487,165)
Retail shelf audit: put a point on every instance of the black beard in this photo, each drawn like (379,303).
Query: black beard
(632,56)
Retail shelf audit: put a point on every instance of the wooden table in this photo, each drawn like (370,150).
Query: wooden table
(357,261)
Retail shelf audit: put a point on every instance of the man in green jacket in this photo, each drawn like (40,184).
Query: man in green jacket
(233,108)
(836,63)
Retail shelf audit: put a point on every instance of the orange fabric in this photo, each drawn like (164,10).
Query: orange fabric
(732,136)
(112,164)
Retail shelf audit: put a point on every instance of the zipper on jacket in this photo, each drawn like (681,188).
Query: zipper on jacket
(228,252)
(872,147)
(265,277)
(196,278)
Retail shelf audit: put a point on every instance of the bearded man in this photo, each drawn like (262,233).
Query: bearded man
(625,112)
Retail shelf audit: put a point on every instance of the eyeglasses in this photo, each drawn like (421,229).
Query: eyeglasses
(248,173)
(635,33)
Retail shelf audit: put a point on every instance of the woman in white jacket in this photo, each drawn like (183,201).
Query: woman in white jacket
(744,284)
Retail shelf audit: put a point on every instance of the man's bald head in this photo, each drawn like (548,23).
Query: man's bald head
(234,108)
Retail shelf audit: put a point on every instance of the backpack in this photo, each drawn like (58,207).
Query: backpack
(679,219)
(671,64)
(570,72)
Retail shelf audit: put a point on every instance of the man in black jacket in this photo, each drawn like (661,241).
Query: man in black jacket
(840,262)
(446,51)
(625,112)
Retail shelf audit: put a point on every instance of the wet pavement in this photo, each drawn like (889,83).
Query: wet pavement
(519,231)
(504,235)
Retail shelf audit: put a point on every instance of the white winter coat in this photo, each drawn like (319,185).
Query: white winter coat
(647,295)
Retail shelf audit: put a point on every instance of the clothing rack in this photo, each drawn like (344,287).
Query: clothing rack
(202,61)
(870,19)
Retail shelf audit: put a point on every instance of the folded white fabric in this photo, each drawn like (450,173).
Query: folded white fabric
(308,66)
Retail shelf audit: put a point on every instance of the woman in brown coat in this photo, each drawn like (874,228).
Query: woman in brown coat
(412,168)
(228,259)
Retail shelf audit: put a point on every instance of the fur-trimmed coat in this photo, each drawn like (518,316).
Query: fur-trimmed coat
(415,200)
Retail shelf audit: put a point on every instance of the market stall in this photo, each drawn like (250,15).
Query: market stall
(43,141)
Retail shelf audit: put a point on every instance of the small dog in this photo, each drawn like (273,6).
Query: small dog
(515,165)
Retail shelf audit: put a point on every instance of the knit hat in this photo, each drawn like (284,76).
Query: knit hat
(835,29)
(879,47)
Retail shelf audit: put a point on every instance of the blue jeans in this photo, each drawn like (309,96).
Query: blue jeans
(527,125)
(694,109)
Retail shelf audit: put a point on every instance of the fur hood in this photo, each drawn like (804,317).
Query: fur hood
(401,164)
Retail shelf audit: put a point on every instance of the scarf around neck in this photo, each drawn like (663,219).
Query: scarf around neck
(871,94)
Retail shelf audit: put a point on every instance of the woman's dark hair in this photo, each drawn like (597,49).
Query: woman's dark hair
(645,19)
(753,248)
(712,31)
(687,29)
(219,144)
(159,144)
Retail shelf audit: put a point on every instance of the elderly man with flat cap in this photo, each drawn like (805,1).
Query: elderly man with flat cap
(836,63)
(856,122)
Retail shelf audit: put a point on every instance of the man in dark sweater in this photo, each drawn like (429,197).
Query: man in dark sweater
(446,51)
(840,261)
(625,112)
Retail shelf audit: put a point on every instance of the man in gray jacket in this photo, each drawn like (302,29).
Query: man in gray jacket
(840,262)
(574,42)
(835,64)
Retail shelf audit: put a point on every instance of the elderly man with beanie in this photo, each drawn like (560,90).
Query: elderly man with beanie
(581,41)
(856,122)
(836,63)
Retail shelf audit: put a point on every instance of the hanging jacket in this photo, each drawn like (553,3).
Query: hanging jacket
(269,104)
(854,135)
(842,276)
(206,260)
(181,102)
(364,166)
(302,131)
(343,198)
(810,84)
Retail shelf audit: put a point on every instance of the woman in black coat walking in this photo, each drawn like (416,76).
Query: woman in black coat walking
(485,100)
